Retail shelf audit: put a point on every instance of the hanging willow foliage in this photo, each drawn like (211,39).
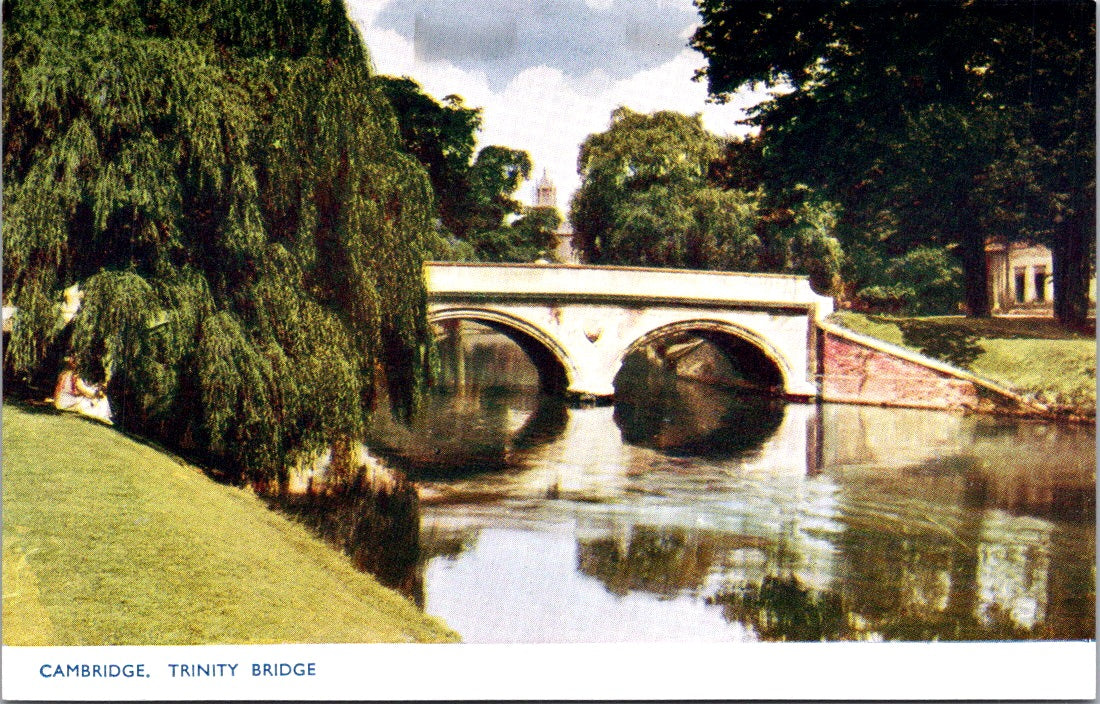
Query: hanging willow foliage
(228,189)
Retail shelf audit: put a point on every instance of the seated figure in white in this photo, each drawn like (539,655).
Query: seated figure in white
(73,394)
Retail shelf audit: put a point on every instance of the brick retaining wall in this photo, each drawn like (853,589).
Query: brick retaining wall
(852,372)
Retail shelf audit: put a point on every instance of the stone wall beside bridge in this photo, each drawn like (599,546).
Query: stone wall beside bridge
(853,372)
(855,368)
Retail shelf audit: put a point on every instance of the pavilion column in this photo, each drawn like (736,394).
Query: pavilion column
(1029,285)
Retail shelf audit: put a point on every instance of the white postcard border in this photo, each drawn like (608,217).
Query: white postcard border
(1002,670)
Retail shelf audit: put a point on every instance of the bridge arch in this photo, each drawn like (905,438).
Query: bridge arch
(555,368)
(735,341)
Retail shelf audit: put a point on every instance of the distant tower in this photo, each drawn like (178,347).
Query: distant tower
(546,195)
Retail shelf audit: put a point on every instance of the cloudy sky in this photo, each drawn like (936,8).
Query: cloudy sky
(547,73)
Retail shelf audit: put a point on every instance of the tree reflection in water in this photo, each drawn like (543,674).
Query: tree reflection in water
(662,561)
(783,609)
(930,590)
(448,544)
(903,568)
(464,434)
(914,526)
(376,524)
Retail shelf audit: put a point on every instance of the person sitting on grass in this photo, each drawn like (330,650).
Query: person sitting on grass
(73,394)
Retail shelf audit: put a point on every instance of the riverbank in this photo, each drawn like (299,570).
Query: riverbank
(107,541)
(1033,357)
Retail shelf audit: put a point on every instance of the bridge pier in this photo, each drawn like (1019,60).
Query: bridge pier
(591,390)
(586,399)
(455,353)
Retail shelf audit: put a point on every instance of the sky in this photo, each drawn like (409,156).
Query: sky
(547,73)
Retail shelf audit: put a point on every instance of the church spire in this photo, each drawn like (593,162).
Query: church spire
(546,195)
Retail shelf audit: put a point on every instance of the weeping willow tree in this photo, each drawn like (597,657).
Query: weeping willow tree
(228,190)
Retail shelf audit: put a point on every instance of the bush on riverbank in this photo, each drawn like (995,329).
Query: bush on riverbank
(1035,357)
(110,541)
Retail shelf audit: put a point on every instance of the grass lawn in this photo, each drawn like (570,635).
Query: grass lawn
(1032,356)
(108,541)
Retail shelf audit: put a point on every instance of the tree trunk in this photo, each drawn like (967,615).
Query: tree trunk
(1072,263)
(975,275)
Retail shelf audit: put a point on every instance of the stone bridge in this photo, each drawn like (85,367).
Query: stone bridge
(578,323)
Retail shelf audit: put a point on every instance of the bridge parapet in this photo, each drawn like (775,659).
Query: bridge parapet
(577,284)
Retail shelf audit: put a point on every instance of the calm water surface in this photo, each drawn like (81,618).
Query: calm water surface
(691,514)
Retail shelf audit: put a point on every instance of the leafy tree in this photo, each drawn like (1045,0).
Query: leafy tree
(925,121)
(228,189)
(666,150)
(740,164)
(528,238)
(800,238)
(659,190)
(796,226)
(473,194)
(538,225)
(924,281)
(444,247)
(495,175)
(442,136)
(644,198)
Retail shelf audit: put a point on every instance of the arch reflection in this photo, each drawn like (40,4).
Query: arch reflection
(661,404)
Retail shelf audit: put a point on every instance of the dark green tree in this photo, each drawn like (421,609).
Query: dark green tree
(526,239)
(474,193)
(796,226)
(924,281)
(494,177)
(229,190)
(927,120)
(442,136)
(538,225)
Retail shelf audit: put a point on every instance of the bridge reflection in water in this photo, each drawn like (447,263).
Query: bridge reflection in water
(686,513)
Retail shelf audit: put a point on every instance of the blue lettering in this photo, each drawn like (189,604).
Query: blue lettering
(284,669)
(86,670)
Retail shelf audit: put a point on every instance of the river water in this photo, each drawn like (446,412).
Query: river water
(689,513)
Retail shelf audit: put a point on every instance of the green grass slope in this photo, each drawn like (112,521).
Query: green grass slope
(1032,356)
(108,541)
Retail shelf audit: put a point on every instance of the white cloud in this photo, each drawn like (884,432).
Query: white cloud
(544,111)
